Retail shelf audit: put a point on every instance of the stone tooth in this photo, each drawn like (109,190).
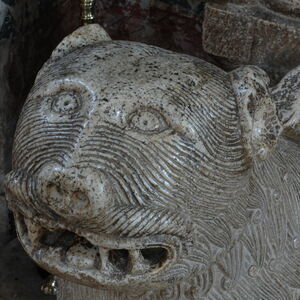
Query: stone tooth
(81,256)
(137,261)
(54,253)
(104,264)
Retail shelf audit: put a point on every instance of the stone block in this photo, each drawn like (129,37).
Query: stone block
(245,34)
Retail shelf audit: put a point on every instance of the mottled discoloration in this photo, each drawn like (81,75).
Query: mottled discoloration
(157,174)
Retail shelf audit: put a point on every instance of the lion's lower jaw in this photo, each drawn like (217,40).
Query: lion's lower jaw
(147,263)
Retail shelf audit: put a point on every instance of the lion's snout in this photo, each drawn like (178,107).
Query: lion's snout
(75,193)
(87,228)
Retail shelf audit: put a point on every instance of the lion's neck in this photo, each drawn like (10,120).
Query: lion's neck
(264,259)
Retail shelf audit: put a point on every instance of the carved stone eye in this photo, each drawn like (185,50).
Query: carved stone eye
(148,121)
(66,103)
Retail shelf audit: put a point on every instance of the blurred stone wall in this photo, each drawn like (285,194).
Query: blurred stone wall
(171,24)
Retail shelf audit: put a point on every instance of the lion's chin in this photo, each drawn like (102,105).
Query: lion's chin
(99,261)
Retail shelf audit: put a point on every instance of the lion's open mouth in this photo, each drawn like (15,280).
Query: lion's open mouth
(94,260)
(140,253)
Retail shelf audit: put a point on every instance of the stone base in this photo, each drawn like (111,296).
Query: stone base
(71,291)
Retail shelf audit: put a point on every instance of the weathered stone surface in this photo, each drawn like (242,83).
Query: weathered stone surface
(157,175)
(252,34)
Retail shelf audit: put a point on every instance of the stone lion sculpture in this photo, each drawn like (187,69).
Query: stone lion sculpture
(158,174)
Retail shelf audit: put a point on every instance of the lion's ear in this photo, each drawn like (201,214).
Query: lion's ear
(83,36)
(286,96)
(260,124)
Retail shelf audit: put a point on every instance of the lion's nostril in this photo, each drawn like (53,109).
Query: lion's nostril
(119,258)
(54,191)
(81,200)
(155,256)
